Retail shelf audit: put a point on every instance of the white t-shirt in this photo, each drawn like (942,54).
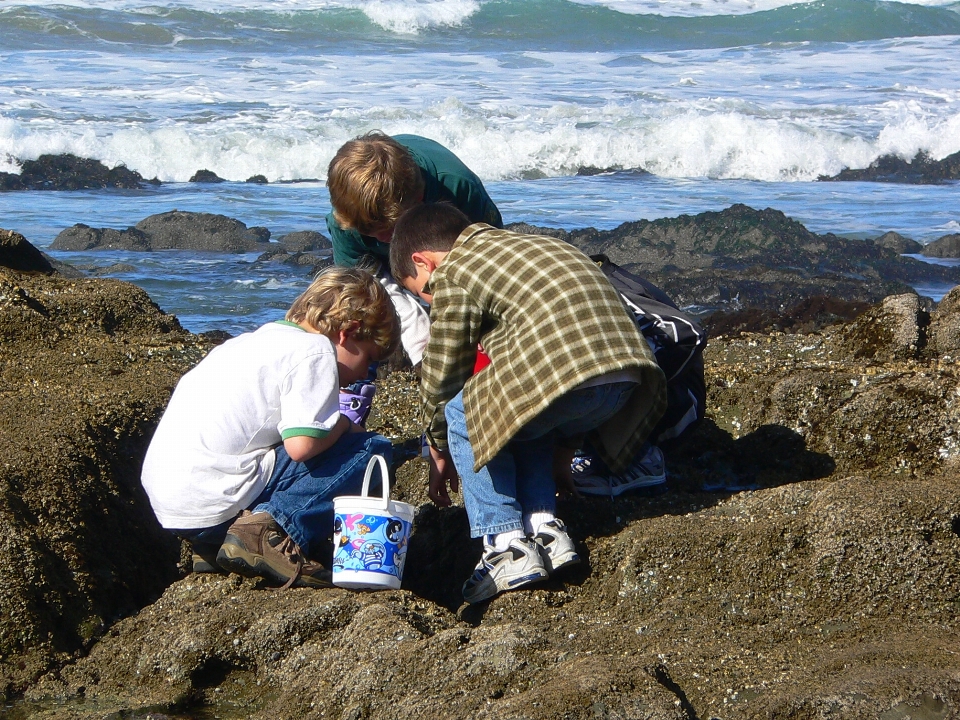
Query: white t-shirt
(212,453)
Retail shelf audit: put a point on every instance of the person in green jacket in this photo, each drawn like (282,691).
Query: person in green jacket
(372,180)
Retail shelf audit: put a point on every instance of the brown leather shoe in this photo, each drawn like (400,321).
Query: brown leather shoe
(205,558)
(256,546)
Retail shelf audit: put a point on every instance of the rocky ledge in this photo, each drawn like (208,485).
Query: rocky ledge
(922,170)
(207,232)
(739,258)
(742,258)
(69,172)
(804,561)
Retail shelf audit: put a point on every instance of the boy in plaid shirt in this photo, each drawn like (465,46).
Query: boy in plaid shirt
(566,362)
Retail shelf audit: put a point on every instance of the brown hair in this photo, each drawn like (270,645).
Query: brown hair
(429,226)
(372,180)
(339,296)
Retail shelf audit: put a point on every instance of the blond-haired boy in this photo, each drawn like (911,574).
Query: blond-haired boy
(252,447)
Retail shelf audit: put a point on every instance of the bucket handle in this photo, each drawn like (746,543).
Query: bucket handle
(384,478)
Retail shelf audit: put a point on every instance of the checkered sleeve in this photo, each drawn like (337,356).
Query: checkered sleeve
(449,358)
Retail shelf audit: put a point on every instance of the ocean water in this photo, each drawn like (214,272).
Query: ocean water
(721,101)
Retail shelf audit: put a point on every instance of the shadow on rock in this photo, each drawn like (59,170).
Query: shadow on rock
(704,468)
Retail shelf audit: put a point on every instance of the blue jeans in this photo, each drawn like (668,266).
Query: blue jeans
(519,479)
(299,496)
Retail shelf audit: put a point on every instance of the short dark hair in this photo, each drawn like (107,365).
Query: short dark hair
(429,226)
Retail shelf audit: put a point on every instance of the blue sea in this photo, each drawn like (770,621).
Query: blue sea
(719,101)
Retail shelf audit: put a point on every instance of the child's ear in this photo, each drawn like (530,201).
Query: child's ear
(348,331)
(421,260)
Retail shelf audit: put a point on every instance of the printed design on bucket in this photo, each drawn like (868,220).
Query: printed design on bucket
(370,542)
(370,536)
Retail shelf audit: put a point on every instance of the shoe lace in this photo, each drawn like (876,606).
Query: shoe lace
(292,552)
(581,465)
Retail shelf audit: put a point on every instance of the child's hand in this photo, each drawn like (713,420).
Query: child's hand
(442,471)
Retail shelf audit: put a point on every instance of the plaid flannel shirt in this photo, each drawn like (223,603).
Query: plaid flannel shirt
(549,320)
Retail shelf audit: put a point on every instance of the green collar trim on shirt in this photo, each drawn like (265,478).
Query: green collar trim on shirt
(288,322)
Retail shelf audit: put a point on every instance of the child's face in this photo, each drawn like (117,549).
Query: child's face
(382,234)
(354,357)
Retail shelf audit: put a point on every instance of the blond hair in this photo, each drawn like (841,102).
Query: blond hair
(341,296)
(372,180)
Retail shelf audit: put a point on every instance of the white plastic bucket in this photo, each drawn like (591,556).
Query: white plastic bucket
(370,536)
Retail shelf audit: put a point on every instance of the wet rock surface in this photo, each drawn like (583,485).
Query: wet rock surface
(69,172)
(86,367)
(947,246)
(745,258)
(205,176)
(818,577)
(168,231)
(18,254)
(922,170)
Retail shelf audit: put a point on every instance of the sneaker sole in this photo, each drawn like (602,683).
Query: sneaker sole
(204,565)
(234,558)
(505,584)
(616,490)
(566,560)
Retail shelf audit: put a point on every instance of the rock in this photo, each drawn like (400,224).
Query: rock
(201,231)
(65,269)
(304,241)
(744,258)
(258,179)
(922,170)
(114,269)
(87,367)
(890,331)
(279,255)
(947,246)
(821,581)
(898,243)
(18,254)
(84,237)
(944,334)
(69,172)
(807,316)
(591,170)
(206,176)
(170,230)
(11,181)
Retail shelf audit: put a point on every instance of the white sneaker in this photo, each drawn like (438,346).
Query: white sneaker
(556,546)
(500,570)
(646,470)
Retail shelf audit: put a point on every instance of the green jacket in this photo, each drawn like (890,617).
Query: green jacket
(549,320)
(445,178)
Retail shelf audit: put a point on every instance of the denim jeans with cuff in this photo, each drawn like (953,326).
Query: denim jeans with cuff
(519,479)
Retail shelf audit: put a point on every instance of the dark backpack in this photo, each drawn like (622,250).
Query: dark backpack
(677,341)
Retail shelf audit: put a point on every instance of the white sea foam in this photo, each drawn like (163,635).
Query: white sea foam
(410,16)
(400,16)
(403,16)
(773,113)
(406,16)
(689,143)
